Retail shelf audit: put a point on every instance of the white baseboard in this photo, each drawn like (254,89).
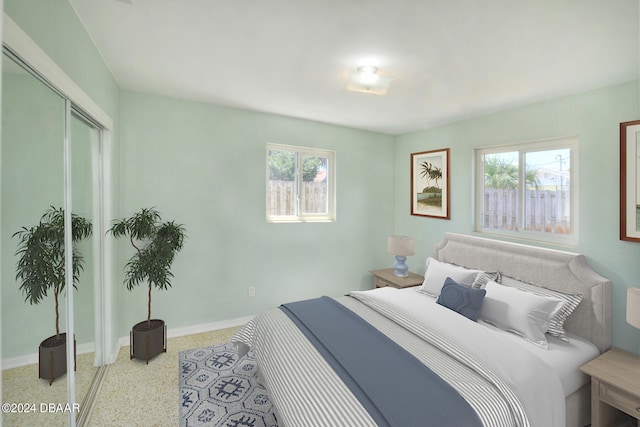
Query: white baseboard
(206,327)
(30,359)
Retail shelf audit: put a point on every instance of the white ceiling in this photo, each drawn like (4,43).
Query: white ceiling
(450,59)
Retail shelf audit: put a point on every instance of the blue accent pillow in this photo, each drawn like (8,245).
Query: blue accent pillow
(462,299)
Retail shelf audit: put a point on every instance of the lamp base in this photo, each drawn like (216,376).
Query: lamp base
(400,266)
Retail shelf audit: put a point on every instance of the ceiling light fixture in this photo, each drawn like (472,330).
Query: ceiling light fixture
(366,79)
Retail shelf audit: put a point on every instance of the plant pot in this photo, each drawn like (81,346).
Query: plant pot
(148,340)
(52,357)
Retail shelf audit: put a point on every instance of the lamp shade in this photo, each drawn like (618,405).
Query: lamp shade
(633,307)
(400,245)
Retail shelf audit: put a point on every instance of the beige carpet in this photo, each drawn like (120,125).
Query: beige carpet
(22,385)
(136,394)
(132,394)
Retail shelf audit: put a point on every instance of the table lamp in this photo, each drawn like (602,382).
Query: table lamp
(401,247)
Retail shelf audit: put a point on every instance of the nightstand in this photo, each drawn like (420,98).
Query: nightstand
(385,277)
(615,387)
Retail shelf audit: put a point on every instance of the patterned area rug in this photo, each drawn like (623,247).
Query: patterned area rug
(219,388)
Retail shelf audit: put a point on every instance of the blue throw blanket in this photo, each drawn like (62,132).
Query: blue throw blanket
(391,384)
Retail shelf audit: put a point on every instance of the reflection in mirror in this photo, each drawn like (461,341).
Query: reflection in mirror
(33,132)
(32,181)
(84,149)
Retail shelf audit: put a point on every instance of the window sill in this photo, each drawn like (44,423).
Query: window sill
(297,220)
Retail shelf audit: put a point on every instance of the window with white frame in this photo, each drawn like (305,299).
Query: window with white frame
(528,190)
(300,184)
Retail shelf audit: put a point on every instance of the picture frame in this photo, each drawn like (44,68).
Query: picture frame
(430,183)
(630,181)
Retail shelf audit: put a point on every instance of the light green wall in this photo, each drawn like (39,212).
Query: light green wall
(204,166)
(55,27)
(594,117)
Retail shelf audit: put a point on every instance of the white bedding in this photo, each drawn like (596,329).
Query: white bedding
(537,385)
(564,358)
(531,380)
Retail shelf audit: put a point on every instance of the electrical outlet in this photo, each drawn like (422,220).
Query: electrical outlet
(251,291)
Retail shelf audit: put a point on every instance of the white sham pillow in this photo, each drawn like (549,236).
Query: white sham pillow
(437,272)
(522,313)
(571,301)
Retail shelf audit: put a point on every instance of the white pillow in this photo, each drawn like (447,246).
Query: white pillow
(522,313)
(437,272)
(571,301)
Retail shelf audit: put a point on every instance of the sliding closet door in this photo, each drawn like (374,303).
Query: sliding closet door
(85,201)
(32,182)
(55,155)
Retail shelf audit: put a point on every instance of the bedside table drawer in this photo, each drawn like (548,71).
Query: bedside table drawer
(621,400)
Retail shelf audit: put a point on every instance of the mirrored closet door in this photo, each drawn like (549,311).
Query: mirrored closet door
(85,201)
(32,182)
(50,165)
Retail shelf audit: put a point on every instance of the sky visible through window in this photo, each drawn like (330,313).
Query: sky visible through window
(550,159)
(552,166)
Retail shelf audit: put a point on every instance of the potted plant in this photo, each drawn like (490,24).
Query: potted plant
(41,268)
(155,244)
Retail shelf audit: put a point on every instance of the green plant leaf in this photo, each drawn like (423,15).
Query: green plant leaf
(155,244)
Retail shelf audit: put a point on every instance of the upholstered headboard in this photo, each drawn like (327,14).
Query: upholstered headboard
(562,271)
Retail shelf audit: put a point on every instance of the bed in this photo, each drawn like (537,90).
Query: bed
(502,368)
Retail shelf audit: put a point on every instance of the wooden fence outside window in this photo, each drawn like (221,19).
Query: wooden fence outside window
(545,210)
(281,197)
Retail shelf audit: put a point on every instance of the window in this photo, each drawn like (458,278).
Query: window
(300,184)
(528,190)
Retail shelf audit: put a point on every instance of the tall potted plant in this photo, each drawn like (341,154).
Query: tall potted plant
(155,244)
(41,269)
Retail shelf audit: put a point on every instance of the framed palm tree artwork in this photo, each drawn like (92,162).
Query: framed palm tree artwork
(430,183)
